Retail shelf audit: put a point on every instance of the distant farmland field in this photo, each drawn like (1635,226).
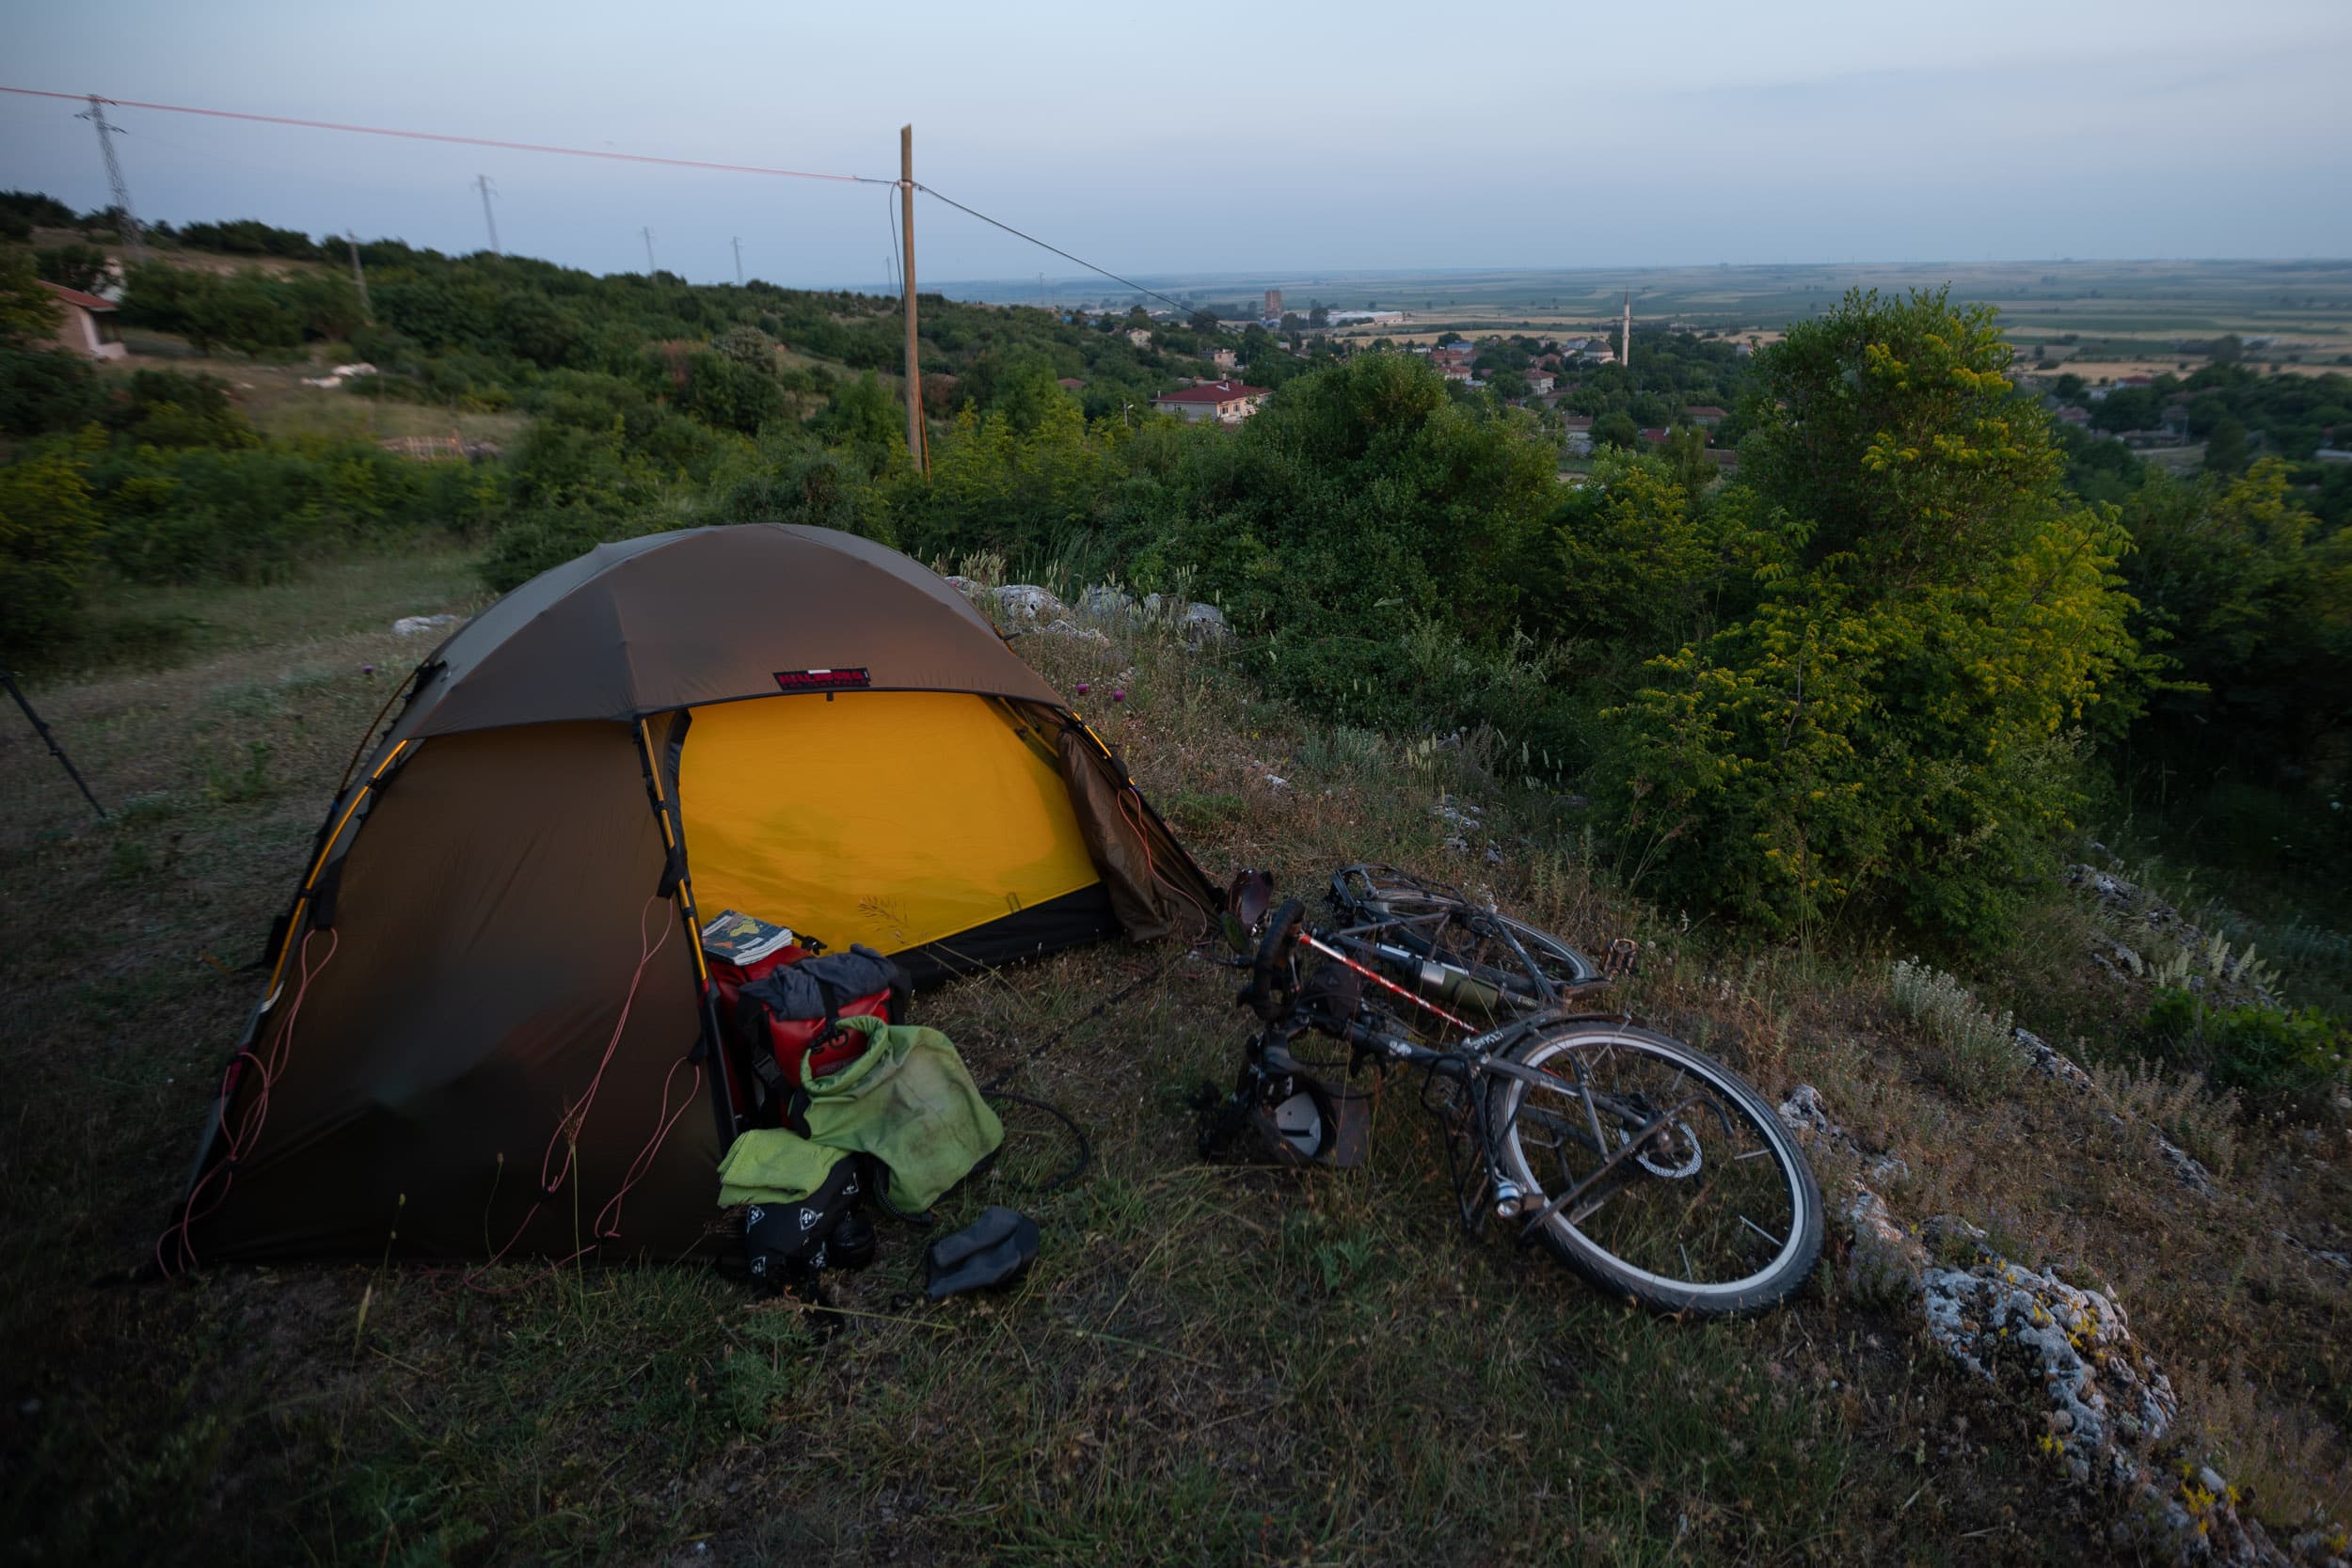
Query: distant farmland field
(2124,315)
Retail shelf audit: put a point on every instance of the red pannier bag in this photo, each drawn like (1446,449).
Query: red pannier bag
(786,1019)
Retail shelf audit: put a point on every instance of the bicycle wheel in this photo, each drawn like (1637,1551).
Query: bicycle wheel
(1689,1196)
(1438,922)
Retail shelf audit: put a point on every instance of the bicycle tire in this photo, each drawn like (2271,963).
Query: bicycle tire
(1465,933)
(1595,1252)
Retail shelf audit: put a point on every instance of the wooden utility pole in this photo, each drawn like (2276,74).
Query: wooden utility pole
(481,183)
(917,446)
(359,274)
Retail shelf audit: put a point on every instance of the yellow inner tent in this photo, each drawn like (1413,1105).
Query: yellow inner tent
(892,819)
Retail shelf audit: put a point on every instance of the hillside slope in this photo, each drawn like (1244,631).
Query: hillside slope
(1209,1363)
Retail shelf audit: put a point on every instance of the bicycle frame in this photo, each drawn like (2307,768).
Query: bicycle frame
(1544,1120)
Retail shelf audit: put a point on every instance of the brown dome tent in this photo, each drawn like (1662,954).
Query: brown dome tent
(488,1022)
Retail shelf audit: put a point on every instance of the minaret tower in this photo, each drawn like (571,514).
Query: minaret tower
(1624,337)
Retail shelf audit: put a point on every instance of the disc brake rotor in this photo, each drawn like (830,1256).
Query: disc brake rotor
(1678,1159)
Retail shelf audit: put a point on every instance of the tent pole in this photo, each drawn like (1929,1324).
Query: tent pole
(674,843)
(8,678)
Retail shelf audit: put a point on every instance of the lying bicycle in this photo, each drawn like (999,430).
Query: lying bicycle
(1649,1168)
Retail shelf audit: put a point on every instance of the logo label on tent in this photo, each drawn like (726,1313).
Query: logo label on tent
(822,680)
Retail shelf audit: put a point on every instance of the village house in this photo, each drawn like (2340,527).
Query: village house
(1224,359)
(1228,401)
(1455,370)
(1139,337)
(88,325)
(1705,414)
(1539,384)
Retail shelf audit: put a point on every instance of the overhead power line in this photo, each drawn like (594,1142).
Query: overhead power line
(454,140)
(1054,248)
(605,154)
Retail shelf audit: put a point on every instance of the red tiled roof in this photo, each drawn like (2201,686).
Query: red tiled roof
(1580,421)
(1212,391)
(1653,436)
(1068,382)
(1706,411)
(76,298)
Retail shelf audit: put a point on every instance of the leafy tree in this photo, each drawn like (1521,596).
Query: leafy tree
(2128,409)
(250,237)
(73,266)
(48,536)
(1204,321)
(747,345)
(2257,609)
(863,415)
(1684,451)
(1894,722)
(1029,395)
(28,312)
(1360,501)
(34,208)
(1617,430)
(46,390)
(728,394)
(1646,568)
(164,409)
(2226,448)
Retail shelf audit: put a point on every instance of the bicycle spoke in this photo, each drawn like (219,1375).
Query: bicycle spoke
(1663,1174)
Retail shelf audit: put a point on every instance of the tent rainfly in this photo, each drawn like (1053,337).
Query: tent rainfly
(488,1018)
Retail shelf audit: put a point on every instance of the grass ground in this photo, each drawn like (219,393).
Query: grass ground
(273,396)
(1208,1365)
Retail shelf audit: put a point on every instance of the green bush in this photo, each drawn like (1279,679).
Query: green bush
(2294,1062)
(248,311)
(253,513)
(1939,629)
(72,265)
(45,389)
(49,531)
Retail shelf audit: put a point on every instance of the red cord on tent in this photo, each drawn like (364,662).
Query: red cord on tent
(1134,818)
(242,1138)
(608,1226)
(568,1127)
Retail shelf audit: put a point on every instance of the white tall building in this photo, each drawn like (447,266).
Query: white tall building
(1625,340)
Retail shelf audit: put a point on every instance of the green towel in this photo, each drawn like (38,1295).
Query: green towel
(908,1101)
(769,1165)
